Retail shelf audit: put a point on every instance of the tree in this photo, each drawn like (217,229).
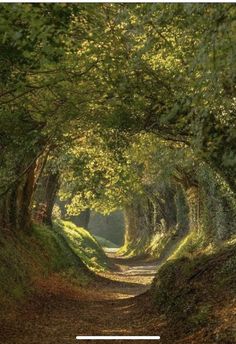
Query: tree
(127,69)
(39,93)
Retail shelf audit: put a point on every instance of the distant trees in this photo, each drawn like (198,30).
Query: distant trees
(110,227)
(180,193)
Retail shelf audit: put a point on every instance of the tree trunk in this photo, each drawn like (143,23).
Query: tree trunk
(16,203)
(46,196)
(154,212)
(138,226)
(194,205)
(25,195)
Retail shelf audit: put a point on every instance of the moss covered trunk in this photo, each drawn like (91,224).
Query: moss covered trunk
(16,204)
(46,197)
(155,212)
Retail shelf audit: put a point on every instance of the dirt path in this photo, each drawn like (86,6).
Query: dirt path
(116,305)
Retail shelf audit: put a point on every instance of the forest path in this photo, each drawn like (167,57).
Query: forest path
(115,305)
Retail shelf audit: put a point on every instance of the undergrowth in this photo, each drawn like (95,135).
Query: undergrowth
(155,247)
(135,249)
(64,249)
(195,284)
(104,242)
(83,244)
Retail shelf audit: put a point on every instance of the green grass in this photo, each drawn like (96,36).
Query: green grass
(160,242)
(191,244)
(66,250)
(83,244)
(104,242)
(193,277)
(134,249)
(153,247)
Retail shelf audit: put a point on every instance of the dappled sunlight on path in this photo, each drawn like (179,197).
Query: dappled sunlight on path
(115,304)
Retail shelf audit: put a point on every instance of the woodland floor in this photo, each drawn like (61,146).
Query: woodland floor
(58,311)
(116,305)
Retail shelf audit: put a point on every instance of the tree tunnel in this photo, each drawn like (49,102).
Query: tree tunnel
(117,127)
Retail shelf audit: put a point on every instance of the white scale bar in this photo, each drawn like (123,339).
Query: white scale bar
(118,337)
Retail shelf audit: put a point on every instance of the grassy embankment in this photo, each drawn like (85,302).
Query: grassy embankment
(104,242)
(195,290)
(157,246)
(65,250)
(195,287)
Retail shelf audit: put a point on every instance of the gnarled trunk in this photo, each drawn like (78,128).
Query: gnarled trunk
(46,197)
(16,203)
(136,227)
(195,207)
(154,213)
